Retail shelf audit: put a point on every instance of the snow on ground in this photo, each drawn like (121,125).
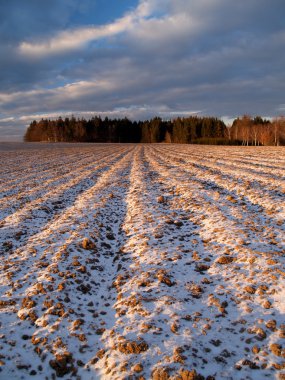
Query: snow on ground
(142,262)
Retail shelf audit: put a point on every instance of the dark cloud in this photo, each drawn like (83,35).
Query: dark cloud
(31,19)
(221,58)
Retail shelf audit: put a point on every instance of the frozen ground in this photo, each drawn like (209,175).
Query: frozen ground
(142,262)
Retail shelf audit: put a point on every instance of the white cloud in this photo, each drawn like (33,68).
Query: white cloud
(134,112)
(7,119)
(69,91)
(166,30)
(69,40)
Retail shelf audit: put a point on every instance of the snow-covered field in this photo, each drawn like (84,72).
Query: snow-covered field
(142,262)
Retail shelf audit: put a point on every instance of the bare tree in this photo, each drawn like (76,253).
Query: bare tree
(278,128)
(275,128)
(255,134)
(265,134)
(245,126)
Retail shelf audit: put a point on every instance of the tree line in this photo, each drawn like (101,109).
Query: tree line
(189,130)
(181,130)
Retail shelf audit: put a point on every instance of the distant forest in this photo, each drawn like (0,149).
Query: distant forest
(190,130)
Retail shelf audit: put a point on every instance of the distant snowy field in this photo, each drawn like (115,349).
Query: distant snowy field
(142,262)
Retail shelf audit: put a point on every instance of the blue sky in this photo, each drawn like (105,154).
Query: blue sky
(138,59)
(101,11)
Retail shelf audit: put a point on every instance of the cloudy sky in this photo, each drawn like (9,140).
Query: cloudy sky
(139,58)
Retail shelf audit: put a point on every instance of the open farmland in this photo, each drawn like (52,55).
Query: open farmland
(142,262)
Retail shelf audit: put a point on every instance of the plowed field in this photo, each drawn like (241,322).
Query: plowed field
(142,262)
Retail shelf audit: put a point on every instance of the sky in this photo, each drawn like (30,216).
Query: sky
(139,58)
